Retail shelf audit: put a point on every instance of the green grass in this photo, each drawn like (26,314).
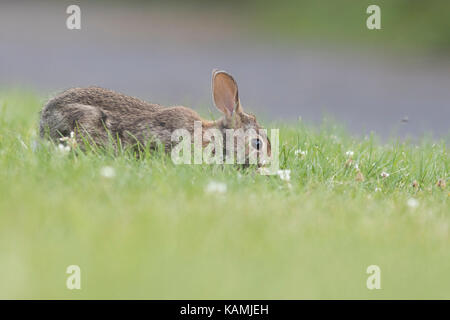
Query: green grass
(406,25)
(152,231)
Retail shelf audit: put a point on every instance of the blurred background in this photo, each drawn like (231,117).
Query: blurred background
(291,59)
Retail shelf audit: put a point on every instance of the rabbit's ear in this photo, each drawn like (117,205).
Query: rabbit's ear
(225,92)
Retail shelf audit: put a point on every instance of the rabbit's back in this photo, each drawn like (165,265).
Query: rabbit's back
(94,109)
(107,100)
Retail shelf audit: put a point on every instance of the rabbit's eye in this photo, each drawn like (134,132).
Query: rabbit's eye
(257,144)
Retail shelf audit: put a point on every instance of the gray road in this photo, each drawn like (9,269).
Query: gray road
(166,57)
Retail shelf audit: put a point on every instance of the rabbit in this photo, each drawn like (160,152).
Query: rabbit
(102,114)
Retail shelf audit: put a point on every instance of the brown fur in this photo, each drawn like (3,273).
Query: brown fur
(99,114)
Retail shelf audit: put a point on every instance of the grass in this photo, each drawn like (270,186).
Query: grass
(406,25)
(153,231)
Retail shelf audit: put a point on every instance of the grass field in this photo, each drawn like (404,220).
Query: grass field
(406,25)
(150,229)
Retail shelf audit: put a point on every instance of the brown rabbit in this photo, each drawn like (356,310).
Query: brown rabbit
(100,114)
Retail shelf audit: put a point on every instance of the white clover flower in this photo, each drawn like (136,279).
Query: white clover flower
(264,171)
(300,152)
(384,174)
(70,141)
(412,203)
(108,172)
(284,174)
(216,187)
(349,154)
(63,149)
